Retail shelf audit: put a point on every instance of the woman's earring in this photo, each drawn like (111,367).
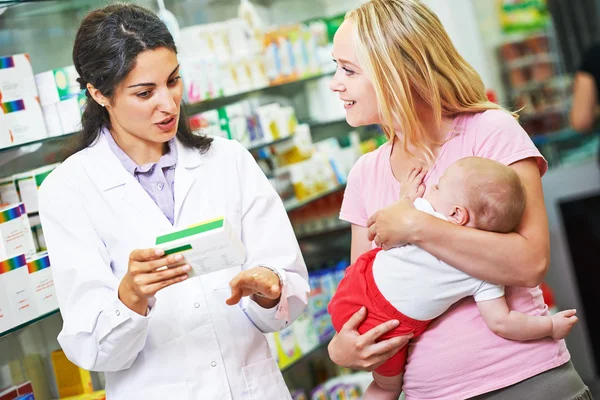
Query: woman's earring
(102,104)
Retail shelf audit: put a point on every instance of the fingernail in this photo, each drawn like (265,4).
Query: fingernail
(186,268)
(395,323)
(184,277)
(159,252)
(178,257)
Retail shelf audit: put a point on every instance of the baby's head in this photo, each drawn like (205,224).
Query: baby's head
(480,193)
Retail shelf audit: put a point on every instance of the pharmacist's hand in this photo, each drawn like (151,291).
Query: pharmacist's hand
(259,282)
(562,323)
(412,184)
(392,226)
(148,272)
(350,349)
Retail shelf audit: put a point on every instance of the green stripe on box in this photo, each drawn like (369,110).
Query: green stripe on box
(194,230)
(178,249)
(39,178)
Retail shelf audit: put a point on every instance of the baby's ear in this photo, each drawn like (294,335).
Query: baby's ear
(459,215)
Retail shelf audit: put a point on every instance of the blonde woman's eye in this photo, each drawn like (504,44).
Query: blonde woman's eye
(348,71)
(174,80)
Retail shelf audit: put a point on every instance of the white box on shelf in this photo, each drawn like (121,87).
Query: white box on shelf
(28,184)
(21,121)
(57,85)
(8,191)
(52,120)
(69,113)
(14,283)
(15,237)
(208,246)
(42,284)
(16,78)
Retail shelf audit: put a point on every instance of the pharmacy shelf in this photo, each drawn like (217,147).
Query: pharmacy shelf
(262,145)
(211,104)
(559,136)
(39,141)
(192,109)
(322,124)
(307,355)
(294,204)
(339,227)
(31,322)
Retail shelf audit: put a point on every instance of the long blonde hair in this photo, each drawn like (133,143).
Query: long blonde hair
(406,52)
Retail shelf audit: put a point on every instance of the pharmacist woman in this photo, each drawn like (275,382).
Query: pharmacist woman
(140,172)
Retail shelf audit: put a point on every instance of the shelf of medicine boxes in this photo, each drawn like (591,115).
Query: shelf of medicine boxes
(195,108)
(290,205)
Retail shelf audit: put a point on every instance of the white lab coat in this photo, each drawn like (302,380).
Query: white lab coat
(191,345)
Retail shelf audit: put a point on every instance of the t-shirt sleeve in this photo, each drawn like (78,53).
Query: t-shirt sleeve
(590,62)
(353,206)
(500,137)
(488,291)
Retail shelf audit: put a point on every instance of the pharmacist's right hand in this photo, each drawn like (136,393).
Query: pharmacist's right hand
(350,349)
(146,275)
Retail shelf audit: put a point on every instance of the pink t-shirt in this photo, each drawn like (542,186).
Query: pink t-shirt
(458,356)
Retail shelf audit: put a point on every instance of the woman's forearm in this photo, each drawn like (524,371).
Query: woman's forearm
(501,258)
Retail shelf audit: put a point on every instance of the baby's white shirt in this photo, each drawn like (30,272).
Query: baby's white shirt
(421,286)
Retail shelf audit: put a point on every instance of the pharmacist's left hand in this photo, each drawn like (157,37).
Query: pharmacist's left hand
(392,226)
(260,283)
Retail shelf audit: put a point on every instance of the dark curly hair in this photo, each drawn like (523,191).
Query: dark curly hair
(106,47)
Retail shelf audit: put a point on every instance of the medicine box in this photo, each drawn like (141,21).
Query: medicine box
(70,379)
(42,284)
(15,234)
(16,300)
(208,246)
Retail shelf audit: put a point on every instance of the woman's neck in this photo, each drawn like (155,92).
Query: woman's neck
(139,150)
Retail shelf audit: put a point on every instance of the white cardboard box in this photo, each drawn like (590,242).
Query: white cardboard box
(15,234)
(8,191)
(17,300)
(16,78)
(21,121)
(208,246)
(28,184)
(42,284)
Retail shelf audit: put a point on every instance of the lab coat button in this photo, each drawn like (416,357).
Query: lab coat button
(118,313)
(160,186)
(213,364)
(197,305)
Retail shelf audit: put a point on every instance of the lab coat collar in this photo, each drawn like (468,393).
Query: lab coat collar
(108,173)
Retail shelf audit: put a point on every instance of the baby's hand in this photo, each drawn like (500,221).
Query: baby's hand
(412,185)
(562,323)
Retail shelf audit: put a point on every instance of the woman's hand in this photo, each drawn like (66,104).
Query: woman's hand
(412,184)
(350,349)
(148,272)
(392,226)
(259,282)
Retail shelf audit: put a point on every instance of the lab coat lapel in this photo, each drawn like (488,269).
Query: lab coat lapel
(119,186)
(187,160)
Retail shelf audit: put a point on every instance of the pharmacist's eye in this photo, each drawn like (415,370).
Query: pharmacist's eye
(174,80)
(143,95)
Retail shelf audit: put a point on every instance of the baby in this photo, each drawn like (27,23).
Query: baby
(412,286)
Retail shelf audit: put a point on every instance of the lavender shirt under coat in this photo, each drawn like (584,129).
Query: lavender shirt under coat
(157,179)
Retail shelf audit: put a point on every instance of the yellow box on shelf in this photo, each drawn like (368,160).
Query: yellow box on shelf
(70,379)
(99,395)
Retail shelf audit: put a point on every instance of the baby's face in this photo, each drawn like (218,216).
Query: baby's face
(447,193)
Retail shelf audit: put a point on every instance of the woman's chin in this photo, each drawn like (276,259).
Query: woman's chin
(354,122)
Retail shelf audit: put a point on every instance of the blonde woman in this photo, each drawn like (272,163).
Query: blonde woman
(397,67)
